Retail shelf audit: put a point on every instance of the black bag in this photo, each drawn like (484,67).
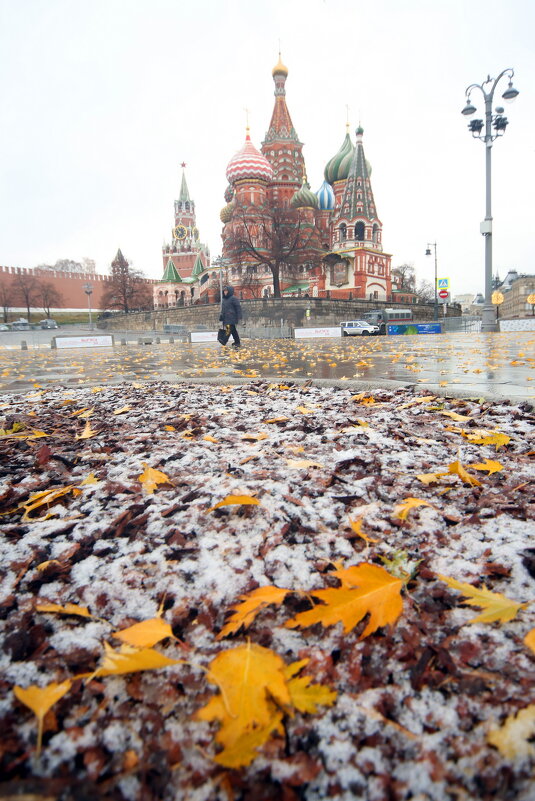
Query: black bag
(223,335)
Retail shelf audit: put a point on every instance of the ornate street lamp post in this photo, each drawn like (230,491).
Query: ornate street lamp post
(499,123)
(428,253)
(88,289)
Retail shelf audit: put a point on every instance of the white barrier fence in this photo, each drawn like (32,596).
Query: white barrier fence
(102,341)
(316,333)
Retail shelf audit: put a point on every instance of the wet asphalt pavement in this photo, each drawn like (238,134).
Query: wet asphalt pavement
(498,365)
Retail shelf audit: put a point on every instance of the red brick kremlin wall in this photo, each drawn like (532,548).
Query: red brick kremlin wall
(70,285)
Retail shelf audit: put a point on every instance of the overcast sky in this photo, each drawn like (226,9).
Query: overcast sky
(101,101)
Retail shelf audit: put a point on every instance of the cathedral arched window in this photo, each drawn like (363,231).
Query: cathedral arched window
(343,232)
(375,232)
(359,231)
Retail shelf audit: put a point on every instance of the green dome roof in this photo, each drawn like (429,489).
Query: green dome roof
(304,197)
(337,169)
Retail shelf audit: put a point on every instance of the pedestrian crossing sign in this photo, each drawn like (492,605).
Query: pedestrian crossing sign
(443,283)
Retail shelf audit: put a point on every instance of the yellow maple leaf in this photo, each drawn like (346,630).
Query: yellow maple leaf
(402,509)
(457,469)
(169,428)
(68,609)
(150,478)
(122,410)
(87,433)
(131,660)
(366,589)
(244,612)
(235,500)
(45,498)
(145,634)
(513,738)
(255,437)
(85,413)
(302,464)
(304,696)
(495,605)
(209,438)
(488,466)
(304,410)
(529,640)
(356,525)
(40,700)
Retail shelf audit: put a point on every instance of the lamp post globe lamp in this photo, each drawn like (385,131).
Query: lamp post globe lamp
(483,130)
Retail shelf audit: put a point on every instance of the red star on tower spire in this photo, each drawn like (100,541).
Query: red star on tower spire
(183,164)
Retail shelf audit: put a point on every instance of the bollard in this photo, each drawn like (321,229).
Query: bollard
(140,341)
(171,340)
(53,345)
(23,345)
(123,341)
(157,340)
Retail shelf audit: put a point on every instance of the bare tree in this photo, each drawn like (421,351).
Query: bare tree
(425,292)
(127,290)
(279,238)
(26,290)
(7,294)
(48,296)
(405,277)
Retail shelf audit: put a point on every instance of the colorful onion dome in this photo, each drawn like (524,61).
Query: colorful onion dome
(279,68)
(226,212)
(249,163)
(304,197)
(337,169)
(325,197)
(229,193)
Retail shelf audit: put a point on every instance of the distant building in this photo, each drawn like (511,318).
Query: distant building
(516,289)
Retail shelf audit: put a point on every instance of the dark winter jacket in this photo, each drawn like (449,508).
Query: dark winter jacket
(231,312)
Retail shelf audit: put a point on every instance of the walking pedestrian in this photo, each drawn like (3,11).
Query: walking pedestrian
(231,314)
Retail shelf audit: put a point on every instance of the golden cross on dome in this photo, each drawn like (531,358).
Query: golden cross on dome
(246,119)
(347,117)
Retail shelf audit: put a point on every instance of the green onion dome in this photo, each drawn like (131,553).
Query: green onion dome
(226,212)
(304,197)
(229,193)
(337,169)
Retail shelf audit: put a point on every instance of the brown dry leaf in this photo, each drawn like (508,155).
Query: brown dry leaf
(235,500)
(356,525)
(457,469)
(244,612)
(150,478)
(529,640)
(513,738)
(68,609)
(45,498)
(131,660)
(366,589)
(488,466)
(87,433)
(497,607)
(402,509)
(122,410)
(302,464)
(40,700)
(145,634)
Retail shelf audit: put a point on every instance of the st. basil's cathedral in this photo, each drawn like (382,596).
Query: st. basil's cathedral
(341,217)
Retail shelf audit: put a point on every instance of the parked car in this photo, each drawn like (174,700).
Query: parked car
(359,328)
(178,330)
(48,323)
(20,325)
(4,327)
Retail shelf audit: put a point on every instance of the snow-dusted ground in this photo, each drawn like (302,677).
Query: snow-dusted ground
(414,703)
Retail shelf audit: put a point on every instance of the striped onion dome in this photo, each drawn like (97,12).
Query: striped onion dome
(226,212)
(229,193)
(304,197)
(337,169)
(325,197)
(249,163)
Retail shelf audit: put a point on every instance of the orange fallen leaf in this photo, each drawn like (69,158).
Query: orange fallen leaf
(302,464)
(122,410)
(209,438)
(495,605)
(366,590)
(529,640)
(169,428)
(235,500)
(87,433)
(44,498)
(40,700)
(459,418)
(150,478)
(131,660)
(488,466)
(255,437)
(88,480)
(277,420)
(402,509)
(250,604)
(356,526)
(457,469)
